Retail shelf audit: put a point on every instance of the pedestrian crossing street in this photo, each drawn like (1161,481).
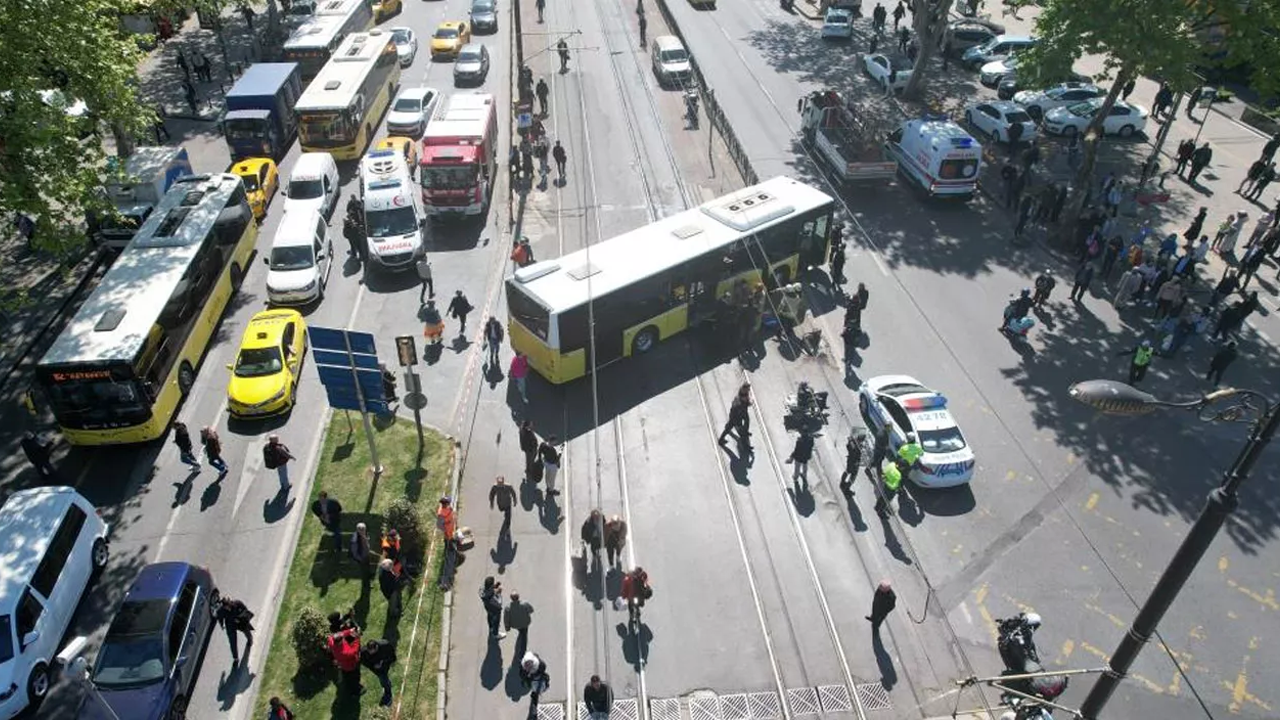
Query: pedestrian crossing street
(825,701)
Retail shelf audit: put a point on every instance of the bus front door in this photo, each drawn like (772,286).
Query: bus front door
(702,301)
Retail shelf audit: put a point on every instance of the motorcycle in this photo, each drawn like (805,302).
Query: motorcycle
(1018,653)
(806,409)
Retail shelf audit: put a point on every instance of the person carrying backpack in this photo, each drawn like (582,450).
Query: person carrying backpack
(276,456)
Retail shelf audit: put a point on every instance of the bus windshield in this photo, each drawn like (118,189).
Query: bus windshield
(98,402)
(245,128)
(526,311)
(326,128)
(457,177)
(391,223)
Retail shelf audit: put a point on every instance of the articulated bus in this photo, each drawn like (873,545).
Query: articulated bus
(341,108)
(315,41)
(651,283)
(126,359)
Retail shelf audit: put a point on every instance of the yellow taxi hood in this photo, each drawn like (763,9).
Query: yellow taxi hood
(251,391)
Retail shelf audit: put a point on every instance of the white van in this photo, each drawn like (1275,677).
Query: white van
(301,258)
(670,60)
(937,155)
(148,174)
(394,218)
(313,183)
(52,542)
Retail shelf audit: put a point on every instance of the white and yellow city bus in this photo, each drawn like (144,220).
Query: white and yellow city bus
(653,282)
(315,41)
(341,108)
(123,363)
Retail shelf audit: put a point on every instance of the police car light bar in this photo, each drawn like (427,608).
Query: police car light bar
(963,142)
(383,184)
(385,152)
(927,402)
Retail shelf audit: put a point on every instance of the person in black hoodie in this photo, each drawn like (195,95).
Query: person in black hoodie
(377,656)
(491,598)
(598,697)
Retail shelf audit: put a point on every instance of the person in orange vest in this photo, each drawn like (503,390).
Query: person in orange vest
(446,521)
(391,550)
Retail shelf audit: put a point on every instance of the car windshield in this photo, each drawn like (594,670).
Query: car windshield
(837,19)
(902,389)
(391,223)
(446,33)
(259,362)
(469,56)
(943,440)
(292,257)
(306,189)
(409,105)
(6,639)
(482,6)
(129,662)
(401,37)
(1084,109)
(1017,116)
(678,55)
(250,182)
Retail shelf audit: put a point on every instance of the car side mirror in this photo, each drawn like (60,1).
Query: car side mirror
(182,660)
(30,638)
(422,223)
(229,366)
(266,261)
(73,652)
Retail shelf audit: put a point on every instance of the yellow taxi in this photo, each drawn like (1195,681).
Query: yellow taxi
(406,146)
(449,38)
(261,181)
(264,377)
(383,9)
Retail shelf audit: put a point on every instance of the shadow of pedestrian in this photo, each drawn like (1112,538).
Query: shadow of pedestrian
(514,686)
(493,374)
(891,542)
(504,553)
(491,667)
(277,507)
(550,515)
(460,344)
(740,461)
(182,489)
(209,497)
(635,645)
(855,512)
(888,674)
(530,494)
(802,497)
(232,683)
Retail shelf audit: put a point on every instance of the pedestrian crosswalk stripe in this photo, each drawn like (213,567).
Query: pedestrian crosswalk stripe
(736,707)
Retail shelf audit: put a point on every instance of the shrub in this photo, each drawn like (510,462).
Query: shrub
(381,713)
(407,520)
(310,629)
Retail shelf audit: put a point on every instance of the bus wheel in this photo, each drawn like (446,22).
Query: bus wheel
(237,277)
(644,341)
(186,377)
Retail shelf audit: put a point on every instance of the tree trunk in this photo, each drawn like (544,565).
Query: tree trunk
(125,142)
(927,37)
(1082,184)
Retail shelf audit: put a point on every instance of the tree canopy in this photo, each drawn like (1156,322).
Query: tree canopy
(67,73)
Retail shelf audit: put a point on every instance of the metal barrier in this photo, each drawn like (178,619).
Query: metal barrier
(714,112)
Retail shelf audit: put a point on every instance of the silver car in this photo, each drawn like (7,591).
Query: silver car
(471,66)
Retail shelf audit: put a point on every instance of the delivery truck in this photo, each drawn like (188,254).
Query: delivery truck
(259,121)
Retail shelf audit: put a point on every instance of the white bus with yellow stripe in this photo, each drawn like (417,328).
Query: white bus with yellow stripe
(649,284)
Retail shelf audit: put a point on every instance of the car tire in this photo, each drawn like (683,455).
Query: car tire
(644,341)
(1069,131)
(1126,131)
(186,377)
(38,683)
(100,554)
(214,598)
(178,709)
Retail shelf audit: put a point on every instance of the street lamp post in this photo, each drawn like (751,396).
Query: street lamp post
(1119,399)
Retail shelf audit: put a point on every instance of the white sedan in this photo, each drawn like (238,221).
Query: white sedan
(406,44)
(994,119)
(905,406)
(1039,102)
(838,24)
(1124,119)
(992,73)
(885,72)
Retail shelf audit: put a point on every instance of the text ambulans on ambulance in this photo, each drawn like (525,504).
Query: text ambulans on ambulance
(393,215)
(937,155)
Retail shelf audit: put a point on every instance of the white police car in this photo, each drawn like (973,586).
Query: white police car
(905,405)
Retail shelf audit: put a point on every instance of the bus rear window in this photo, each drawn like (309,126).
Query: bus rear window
(98,403)
(958,169)
(524,310)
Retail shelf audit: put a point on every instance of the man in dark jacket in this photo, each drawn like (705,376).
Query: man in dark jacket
(1221,360)
(38,452)
(1199,161)
(533,673)
(739,415)
(459,306)
(390,585)
(504,497)
(593,534)
(491,599)
(1251,176)
(1084,276)
(329,512)
(519,617)
(529,446)
(235,617)
(882,603)
(1185,149)
(598,697)
(378,655)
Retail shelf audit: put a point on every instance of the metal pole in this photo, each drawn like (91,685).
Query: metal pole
(711,131)
(1165,127)
(1222,501)
(364,408)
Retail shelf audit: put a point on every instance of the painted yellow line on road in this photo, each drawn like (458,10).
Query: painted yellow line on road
(1223,564)
(1240,687)
(1197,632)
(1115,619)
(1065,653)
(1267,599)
(1092,502)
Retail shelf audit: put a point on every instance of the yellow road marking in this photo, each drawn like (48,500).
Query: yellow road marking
(1092,502)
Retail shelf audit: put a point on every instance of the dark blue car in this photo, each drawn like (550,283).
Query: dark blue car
(147,665)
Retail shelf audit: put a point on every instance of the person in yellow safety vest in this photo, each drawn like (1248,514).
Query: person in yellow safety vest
(1140,361)
(910,452)
(891,480)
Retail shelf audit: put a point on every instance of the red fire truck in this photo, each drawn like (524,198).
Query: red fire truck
(459,156)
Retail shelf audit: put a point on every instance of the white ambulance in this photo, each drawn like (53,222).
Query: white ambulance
(937,155)
(393,214)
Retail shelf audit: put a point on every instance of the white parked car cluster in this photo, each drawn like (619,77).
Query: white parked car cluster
(1065,109)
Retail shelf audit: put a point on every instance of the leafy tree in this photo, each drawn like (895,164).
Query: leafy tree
(929,22)
(1165,39)
(51,160)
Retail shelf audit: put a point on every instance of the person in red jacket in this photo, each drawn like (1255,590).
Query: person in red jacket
(635,590)
(278,710)
(344,647)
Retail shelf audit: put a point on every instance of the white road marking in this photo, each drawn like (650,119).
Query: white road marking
(248,473)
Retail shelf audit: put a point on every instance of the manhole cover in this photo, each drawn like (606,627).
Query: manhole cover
(664,708)
(803,701)
(834,698)
(873,696)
